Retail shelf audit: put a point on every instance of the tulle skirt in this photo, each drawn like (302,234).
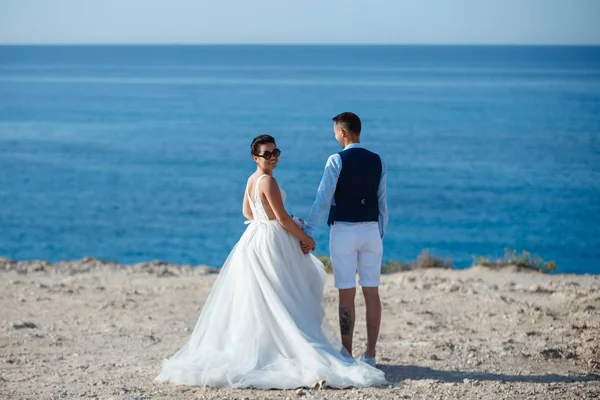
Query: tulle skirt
(263,324)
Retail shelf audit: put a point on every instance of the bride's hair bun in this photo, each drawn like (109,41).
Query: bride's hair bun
(261,139)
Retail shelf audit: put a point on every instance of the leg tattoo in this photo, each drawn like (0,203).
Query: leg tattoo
(345,321)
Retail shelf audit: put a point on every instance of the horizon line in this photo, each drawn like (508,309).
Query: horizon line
(99,44)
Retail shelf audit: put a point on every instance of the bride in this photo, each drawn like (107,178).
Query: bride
(263,325)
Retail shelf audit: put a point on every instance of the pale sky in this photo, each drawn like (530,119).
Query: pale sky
(301,21)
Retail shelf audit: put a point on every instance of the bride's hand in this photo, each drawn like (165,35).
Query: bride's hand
(309,243)
(305,249)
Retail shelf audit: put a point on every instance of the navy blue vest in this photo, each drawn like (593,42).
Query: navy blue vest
(356,191)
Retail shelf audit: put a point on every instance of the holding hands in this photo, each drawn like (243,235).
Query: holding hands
(307,243)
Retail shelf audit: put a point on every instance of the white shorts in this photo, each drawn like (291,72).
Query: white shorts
(356,248)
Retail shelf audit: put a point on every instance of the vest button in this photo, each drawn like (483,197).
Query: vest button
(363,201)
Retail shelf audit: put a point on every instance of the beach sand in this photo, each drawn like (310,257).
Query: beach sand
(92,329)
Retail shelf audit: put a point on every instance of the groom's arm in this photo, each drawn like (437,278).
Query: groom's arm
(382,200)
(325,194)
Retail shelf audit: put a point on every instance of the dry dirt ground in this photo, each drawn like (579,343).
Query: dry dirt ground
(91,329)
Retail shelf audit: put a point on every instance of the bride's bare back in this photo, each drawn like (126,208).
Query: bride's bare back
(265,201)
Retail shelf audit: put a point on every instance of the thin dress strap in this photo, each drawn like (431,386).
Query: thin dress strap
(256,187)
(256,205)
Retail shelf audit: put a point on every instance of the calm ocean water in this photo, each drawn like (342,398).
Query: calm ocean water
(138,153)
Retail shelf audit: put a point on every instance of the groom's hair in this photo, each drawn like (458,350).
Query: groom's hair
(261,139)
(349,121)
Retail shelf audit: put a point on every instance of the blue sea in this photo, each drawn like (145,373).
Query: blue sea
(134,153)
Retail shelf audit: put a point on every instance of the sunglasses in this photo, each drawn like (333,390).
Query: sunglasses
(268,154)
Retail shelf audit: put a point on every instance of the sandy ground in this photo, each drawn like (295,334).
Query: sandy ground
(90,329)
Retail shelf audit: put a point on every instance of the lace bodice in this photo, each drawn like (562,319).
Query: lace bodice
(256,205)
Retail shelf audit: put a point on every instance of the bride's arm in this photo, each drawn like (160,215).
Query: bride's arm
(246,210)
(273,195)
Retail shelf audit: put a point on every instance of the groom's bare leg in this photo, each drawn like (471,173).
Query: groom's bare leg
(373,305)
(347,317)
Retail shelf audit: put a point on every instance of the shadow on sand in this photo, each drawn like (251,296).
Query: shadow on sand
(398,373)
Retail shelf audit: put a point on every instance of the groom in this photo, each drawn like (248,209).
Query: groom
(353,191)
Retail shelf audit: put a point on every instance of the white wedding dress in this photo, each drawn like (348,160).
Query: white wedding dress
(263,325)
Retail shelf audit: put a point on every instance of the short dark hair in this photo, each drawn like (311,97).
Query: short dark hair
(261,139)
(349,121)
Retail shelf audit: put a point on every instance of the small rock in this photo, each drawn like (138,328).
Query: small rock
(540,289)
(204,270)
(165,272)
(152,338)
(579,327)
(554,353)
(23,325)
(453,288)
(434,357)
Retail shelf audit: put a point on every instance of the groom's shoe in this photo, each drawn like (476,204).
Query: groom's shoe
(369,360)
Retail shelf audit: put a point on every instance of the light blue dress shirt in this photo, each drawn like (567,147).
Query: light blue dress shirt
(325,200)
